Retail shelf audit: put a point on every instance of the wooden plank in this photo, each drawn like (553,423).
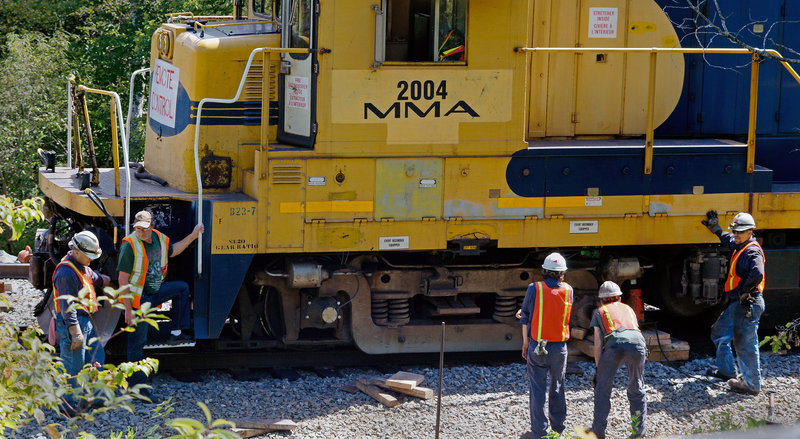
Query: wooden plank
(652,338)
(249,432)
(585,346)
(375,393)
(418,392)
(265,424)
(350,388)
(577,332)
(404,380)
(678,350)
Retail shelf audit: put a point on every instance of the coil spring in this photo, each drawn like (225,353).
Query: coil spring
(380,312)
(399,311)
(505,306)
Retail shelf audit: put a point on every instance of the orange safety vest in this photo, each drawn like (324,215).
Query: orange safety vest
(86,280)
(139,271)
(733,279)
(551,311)
(617,315)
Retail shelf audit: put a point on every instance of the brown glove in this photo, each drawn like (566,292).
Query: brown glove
(77,337)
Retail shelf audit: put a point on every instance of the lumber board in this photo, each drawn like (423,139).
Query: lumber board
(578,332)
(350,388)
(585,346)
(678,350)
(374,392)
(404,380)
(249,432)
(652,337)
(418,392)
(265,424)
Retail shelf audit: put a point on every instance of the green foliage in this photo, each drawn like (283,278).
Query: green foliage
(41,42)
(786,336)
(724,422)
(189,428)
(636,421)
(18,216)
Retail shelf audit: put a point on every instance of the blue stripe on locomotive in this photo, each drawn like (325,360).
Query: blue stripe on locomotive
(716,93)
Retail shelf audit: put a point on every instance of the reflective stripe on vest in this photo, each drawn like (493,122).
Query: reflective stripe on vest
(617,315)
(85,280)
(733,279)
(551,313)
(140,262)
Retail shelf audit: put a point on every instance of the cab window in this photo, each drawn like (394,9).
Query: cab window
(425,30)
(300,23)
(263,9)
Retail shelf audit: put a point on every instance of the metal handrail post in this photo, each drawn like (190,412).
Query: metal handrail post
(124,138)
(197,131)
(651,111)
(751,131)
(70,79)
(130,103)
(114,148)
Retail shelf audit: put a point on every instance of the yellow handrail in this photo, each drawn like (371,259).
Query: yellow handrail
(654,51)
(204,26)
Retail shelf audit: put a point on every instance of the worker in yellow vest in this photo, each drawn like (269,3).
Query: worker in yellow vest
(545,318)
(79,344)
(617,341)
(738,324)
(142,266)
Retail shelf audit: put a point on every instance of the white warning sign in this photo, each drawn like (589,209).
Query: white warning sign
(298,92)
(393,243)
(603,22)
(583,227)
(164,93)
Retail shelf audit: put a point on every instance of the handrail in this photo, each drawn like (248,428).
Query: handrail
(70,78)
(197,130)
(174,16)
(130,101)
(654,51)
(204,26)
(116,100)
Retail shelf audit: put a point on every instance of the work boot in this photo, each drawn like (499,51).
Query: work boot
(738,385)
(714,372)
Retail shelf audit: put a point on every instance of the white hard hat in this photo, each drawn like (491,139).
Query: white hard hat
(742,221)
(609,289)
(86,243)
(554,262)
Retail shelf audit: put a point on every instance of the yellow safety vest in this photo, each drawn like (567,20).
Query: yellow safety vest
(139,271)
(85,280)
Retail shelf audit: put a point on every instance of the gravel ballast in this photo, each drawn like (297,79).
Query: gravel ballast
(478,401)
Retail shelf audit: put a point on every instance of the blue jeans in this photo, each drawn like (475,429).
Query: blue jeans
(633,357)
(539,366)
(734,327)
(90,352)
(178,292)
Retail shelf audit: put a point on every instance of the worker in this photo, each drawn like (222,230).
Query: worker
(617,341)
(79,343)
(142,267)
(739,321)
(545,330)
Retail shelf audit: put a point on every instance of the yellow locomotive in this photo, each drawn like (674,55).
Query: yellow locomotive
(368,169)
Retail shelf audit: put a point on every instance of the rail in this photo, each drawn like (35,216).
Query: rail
(130,102)
(115,117)
(266,50)
(203,27)
(174,17)
(651,89)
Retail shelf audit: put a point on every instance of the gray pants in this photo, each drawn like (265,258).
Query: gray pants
(539,366)
(633,357)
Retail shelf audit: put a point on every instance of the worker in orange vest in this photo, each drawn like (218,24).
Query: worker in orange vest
(79,344)
(545,330)
(738,324)
(617,341)
(142,267)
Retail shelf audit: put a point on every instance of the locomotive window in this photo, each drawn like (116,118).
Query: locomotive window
(263,8)
(300,22)
(425,30)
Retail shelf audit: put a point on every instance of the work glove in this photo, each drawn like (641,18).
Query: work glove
(712,221)
(540,348)
(77,337)
(747,301)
